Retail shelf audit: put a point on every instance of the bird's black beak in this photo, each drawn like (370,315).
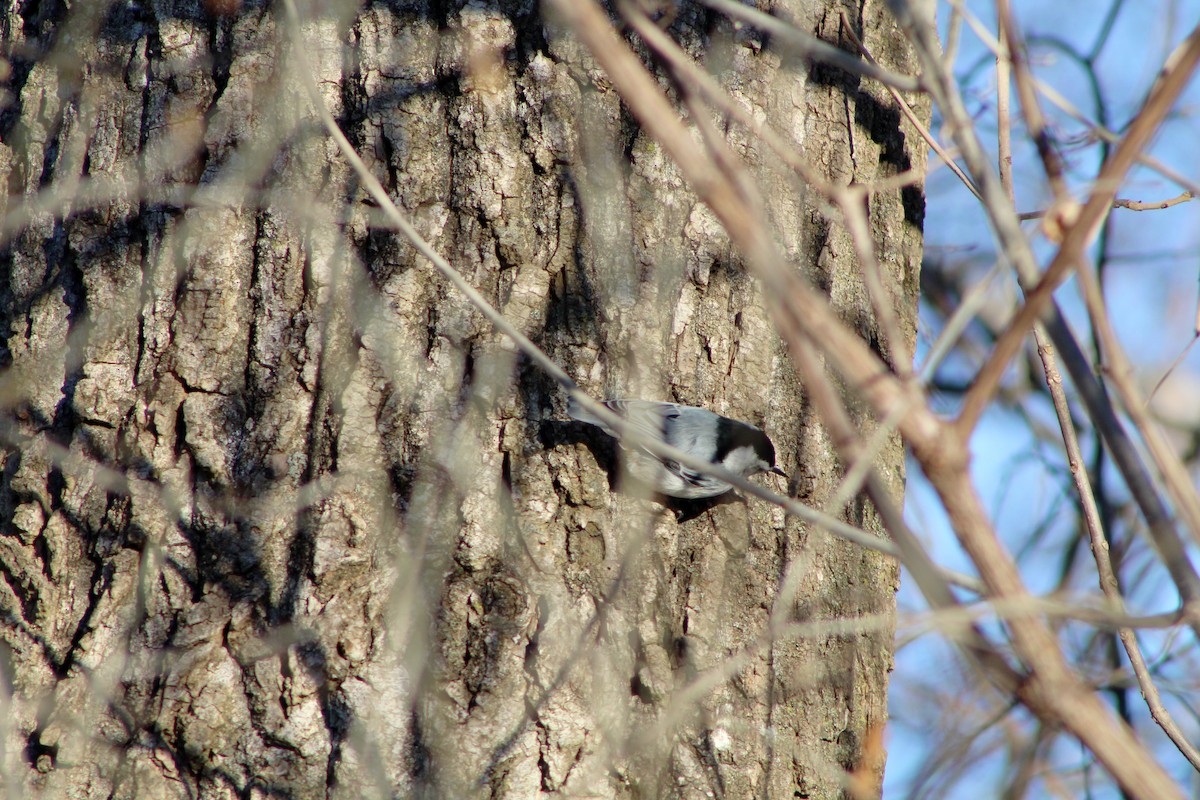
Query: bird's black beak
(778,471)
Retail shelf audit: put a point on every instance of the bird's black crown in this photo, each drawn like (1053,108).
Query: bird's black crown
(732,434)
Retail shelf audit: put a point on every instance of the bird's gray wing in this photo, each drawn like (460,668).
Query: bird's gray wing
(655,419)
(646,417)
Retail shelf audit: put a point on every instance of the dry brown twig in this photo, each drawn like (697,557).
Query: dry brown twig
(1119,368)
(911,116)
(1087,502)
(1169,371)
(1039,288)
(1154,205)
(1162,97)
(1100,132)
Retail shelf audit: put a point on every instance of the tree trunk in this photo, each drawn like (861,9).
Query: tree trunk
(282,515)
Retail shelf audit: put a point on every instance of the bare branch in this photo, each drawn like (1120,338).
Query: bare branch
(1170,85)
(1154,205)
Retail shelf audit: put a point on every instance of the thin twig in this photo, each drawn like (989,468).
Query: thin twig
(882,293)
(1091,514)
(1178,360)
(1039,288)
(1154,205)
(912,117)
(1177,480)
(1108,579)
(1175,77)
(1035,121)
(1101,132)
(807,46)
(1120,372)
(971,303)
(688,72)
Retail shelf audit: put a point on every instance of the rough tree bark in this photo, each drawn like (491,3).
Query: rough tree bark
(281,515)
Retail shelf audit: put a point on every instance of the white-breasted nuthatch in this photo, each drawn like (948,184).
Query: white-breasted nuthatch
(737,446)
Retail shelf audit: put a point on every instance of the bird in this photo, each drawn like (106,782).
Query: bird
(737,446)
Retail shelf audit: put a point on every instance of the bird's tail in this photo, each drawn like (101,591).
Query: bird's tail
(578,412)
